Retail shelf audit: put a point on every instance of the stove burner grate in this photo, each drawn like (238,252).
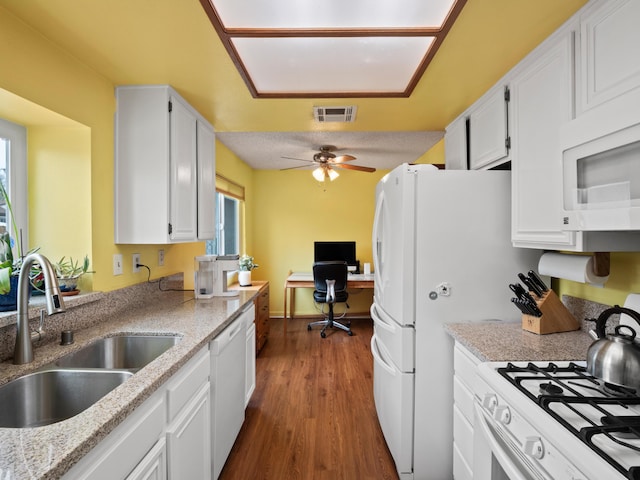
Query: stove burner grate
(558,379)
(550,388)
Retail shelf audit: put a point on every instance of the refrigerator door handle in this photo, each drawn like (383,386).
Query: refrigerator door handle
(377,357)
(379,320)
(377,241)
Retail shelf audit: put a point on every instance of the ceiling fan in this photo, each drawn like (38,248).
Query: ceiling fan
(327,161)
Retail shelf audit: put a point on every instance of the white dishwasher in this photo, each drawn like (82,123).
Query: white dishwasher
(228,372)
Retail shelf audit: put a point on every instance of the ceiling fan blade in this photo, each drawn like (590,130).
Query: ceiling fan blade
(299,159)
(343,158)
(355,167)
(297,166)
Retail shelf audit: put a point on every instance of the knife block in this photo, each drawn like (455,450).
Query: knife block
(555,317)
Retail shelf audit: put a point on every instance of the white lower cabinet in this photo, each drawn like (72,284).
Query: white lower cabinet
(120,453)
(154,465)
(465,368)
(188,431)
(189,440)
(167,437)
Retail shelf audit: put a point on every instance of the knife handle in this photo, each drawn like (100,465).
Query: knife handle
(518,303)
(517,289)
(530,285)
(538,281)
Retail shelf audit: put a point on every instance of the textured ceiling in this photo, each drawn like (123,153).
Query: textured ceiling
(380,150)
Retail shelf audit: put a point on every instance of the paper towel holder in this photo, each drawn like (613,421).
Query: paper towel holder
(602,264)
(591,268)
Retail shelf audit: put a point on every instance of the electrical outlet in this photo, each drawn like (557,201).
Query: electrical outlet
(117,264)
(160,258)
(136,261)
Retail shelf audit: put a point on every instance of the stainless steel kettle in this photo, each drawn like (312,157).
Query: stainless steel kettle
(615,358)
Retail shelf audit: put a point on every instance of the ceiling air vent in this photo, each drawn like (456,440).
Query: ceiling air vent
(334,114)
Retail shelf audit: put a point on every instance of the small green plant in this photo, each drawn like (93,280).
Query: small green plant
(246,263)
(9,265)
(6,263)
(69,271)
(70,268)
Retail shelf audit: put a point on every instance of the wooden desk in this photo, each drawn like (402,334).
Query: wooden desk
(305,280)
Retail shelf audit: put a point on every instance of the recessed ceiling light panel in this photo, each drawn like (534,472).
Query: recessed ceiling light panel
(311,14)
(332,48)
(374,64)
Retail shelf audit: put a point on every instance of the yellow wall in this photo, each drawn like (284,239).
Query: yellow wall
(63,205)
(41,73)
(231,167)
(624,279)
(434,155)
(292,210)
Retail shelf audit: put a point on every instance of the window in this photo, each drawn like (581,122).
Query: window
(227,241)
(13,175)
(229,196)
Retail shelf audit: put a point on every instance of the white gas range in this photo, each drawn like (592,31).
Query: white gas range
(552,421)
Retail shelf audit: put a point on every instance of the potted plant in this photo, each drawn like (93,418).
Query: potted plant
(245,265)
(68,272)
(9,264)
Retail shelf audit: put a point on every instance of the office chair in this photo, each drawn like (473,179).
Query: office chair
(330,282)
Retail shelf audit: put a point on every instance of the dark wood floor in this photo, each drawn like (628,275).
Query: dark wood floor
(312,415)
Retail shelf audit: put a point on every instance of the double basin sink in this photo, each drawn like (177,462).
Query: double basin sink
(76,381)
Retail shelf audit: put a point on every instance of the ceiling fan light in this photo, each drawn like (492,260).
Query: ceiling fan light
(332,174)
(318,174)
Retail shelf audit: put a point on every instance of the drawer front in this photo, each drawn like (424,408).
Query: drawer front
(465,365)
(463,436)
(461,470)
(119,453)
(263,300)
(463,399)
(189,379)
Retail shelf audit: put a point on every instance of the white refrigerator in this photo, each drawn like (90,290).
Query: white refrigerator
(442,253)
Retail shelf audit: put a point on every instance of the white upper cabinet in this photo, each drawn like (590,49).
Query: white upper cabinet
(488,130)
(206,182)
(581,84)
(183,171)
(455,145)
(543,103)
(164,168)
(542,93)
(609,60)
(607,72)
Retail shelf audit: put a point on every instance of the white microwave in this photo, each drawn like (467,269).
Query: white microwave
(601,183)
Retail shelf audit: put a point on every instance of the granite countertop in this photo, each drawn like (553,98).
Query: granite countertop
(495,341)
(48,452)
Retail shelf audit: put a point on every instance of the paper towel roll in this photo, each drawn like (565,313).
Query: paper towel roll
(632,302)
(578,268)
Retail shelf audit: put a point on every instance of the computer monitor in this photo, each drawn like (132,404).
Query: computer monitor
(345,251)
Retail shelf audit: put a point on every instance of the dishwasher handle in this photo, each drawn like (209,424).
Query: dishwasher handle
(228,335)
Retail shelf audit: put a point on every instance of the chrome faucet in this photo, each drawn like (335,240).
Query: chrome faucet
(24,349)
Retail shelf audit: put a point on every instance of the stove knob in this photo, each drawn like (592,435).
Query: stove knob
(490,401)
(533,447)
(502,414)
